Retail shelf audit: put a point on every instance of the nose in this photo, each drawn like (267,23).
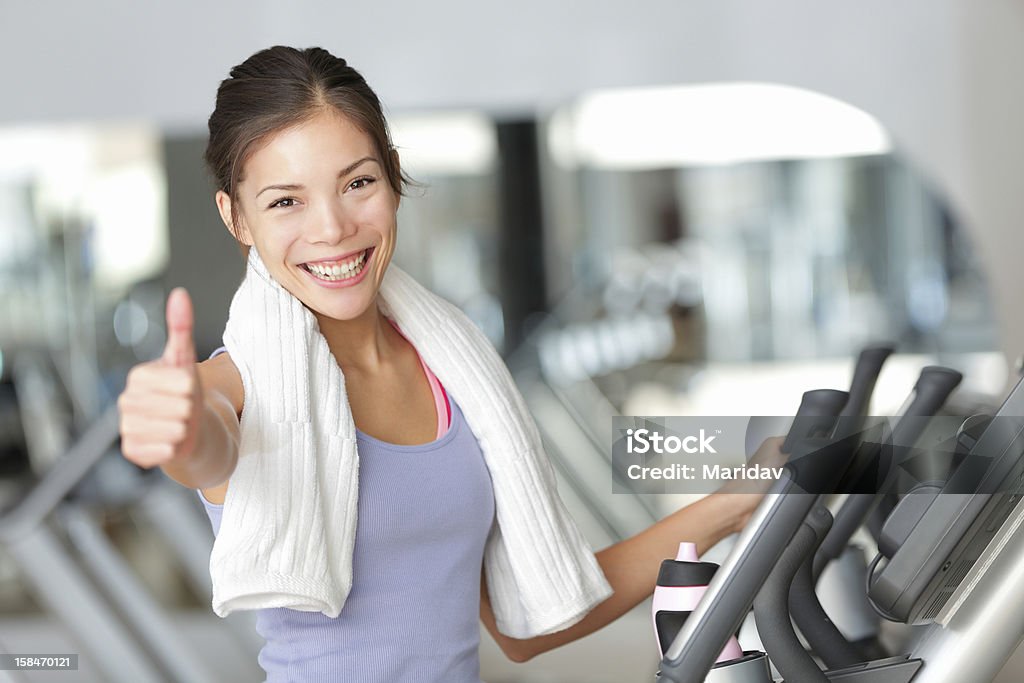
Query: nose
(331,224)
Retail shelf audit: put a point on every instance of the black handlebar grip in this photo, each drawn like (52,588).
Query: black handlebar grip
(933,387)
(816,416)
(865,374)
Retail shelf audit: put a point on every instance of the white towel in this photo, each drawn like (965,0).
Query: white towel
(289,520)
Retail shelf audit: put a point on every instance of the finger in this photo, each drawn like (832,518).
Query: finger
(146,454)
(161,380)
(155,405)
(180,350)
(153,430)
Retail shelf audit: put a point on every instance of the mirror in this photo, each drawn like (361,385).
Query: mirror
(777,222)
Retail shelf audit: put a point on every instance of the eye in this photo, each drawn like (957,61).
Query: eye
(360,183)
(283,199)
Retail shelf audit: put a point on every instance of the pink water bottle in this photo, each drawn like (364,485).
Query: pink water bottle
(681,583)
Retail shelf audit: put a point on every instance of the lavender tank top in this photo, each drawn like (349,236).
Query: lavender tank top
(425,512)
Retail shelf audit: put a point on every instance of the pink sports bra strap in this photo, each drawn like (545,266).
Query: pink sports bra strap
(441,406)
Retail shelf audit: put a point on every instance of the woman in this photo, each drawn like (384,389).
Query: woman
(308,179)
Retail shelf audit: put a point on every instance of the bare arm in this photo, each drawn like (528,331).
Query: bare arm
(631,566)
(216,452)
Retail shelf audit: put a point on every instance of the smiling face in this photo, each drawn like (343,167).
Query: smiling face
(316,204)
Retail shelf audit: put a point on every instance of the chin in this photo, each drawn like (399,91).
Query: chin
(340,312)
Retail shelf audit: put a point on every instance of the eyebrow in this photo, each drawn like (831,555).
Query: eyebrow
(344,172)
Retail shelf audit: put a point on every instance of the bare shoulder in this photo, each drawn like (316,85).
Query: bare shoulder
(222,386)
(219,374)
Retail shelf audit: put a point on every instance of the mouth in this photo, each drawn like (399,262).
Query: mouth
(337,271)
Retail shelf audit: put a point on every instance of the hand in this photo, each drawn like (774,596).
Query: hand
(747,494)
(162,402)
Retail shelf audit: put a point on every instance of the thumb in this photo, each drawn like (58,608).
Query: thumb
(180,350)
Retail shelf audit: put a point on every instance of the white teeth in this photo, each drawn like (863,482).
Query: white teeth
(338,272)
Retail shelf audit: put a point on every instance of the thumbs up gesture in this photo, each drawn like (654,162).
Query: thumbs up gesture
(180,351)
(162,403)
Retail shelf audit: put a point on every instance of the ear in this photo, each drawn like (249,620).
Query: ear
(224,207)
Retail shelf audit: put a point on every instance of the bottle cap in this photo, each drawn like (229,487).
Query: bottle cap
(687,552)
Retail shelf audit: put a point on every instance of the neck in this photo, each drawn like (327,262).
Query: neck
(363,343)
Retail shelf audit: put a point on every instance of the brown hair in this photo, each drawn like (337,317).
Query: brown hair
(280,87)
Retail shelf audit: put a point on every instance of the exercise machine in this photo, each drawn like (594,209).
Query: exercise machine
(785,532)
